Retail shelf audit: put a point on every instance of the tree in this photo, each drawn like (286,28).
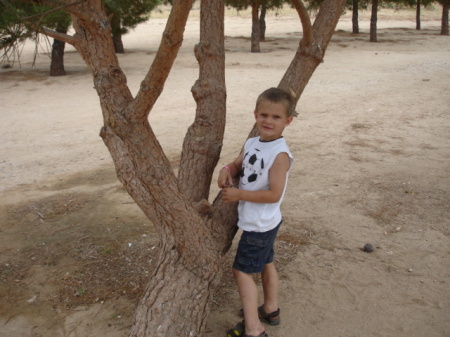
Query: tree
(355,12)
(355,5)
(126,15)
(19,21)
(445,7)
(373,21)
(258,20)
(57,63)
(61,22)
(194,235)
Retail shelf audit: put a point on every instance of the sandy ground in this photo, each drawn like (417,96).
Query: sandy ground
(372,148)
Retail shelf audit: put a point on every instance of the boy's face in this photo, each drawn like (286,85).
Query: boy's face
(271,119)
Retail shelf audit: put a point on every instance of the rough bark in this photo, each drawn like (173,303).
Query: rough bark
(255,48)
(373,21)
(203,142)
(311,50)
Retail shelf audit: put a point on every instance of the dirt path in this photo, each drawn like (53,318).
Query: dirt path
(372,148)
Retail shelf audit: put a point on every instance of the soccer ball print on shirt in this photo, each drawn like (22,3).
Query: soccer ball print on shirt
(252,167)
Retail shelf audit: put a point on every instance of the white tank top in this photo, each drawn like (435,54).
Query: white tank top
(258,159)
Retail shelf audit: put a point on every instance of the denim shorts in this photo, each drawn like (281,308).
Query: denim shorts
(255,250)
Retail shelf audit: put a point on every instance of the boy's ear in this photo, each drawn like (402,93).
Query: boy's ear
(289,120)
(255,113)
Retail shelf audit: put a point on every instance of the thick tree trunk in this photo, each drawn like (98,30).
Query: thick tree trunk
(373,21)
(418,24)
(312,47)
(203,142)
(57,62)
(255,28)
(262,23)
(355,20)
(444,25)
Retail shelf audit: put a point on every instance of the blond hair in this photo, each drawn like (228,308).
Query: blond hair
(277,95)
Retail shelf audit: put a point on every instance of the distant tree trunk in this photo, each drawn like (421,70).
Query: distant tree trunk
(418,26)
(116,31)
(262,23)
(373,21)
(255,28)
(118,44)
(444,25)
(57,61)
(355,20)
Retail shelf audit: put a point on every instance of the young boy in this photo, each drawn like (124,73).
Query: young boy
(263,166)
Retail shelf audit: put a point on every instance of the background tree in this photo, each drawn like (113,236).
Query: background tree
(373,21)
(126,15)
(445,7)
(259,9)
(60,21)
(14,29)
(194,235)
(355,6)
(19,21)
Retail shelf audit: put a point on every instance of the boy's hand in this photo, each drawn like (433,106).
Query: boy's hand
(230,194)
(225,179)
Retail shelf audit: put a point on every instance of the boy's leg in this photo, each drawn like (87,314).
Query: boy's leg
(248,293)
(270,283)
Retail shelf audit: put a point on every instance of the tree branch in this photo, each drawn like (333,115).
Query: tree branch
(59,36)
(305,20)
(204,139)
(153,83)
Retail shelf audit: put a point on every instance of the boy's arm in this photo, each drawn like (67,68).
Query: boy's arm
(277,181)
(229,171)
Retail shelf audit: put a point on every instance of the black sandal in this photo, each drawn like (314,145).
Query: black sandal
(239,331)
(272,319)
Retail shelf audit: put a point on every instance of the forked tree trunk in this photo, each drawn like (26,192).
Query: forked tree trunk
(255,28)
(373,21)
(194,235)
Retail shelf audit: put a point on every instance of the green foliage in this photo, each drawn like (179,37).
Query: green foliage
(22,20)
(127,14)
(244,4)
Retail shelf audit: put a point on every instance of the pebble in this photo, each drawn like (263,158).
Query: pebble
(368,248)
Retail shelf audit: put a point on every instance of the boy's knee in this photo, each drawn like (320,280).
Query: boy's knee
(239,275)
(236,273)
